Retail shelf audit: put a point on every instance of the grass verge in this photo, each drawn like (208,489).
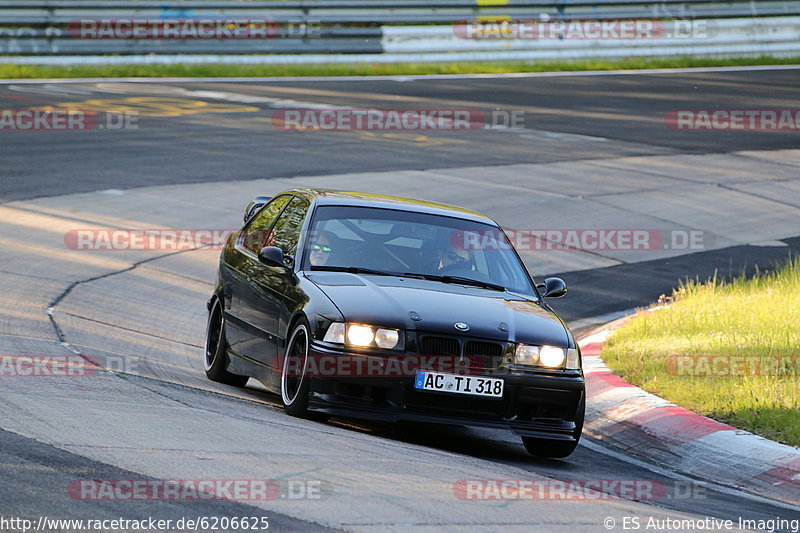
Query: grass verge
(743,317)
(10,71)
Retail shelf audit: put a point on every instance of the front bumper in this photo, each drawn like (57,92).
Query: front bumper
(543,405)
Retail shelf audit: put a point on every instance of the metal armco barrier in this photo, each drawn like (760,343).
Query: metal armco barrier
(60,32)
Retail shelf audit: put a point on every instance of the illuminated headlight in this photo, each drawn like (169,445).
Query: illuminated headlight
(359,335)
(363,336)
(547,356)
(551,357)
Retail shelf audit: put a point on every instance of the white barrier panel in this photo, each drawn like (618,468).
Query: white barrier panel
(771,36)
(596,38)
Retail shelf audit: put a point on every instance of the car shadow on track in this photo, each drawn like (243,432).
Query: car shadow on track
(492,445)
(489,444)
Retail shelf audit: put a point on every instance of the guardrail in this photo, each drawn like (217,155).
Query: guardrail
(43,31)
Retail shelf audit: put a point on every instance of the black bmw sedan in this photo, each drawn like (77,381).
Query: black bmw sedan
(384,308)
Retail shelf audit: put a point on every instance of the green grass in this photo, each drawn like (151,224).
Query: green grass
(9,71)
(758,316)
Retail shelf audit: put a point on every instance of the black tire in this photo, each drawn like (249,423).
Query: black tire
(295,385)
(216,349)
(557,449)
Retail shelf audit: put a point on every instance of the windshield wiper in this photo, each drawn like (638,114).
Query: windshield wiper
(431,277)
(355,270)
(459,280)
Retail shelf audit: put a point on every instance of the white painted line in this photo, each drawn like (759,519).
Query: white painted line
(600,336)
(406,78)
(592,322)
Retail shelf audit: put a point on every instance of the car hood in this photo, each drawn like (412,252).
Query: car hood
(391,301)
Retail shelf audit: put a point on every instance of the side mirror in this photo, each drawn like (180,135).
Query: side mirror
(255,204)
(274,257)
(554,288)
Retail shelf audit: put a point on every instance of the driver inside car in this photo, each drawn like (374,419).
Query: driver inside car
(320,250)
(455,256)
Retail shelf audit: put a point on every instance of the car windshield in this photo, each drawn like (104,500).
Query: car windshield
(395,242)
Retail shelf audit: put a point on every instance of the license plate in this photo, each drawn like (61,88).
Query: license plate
(472,385)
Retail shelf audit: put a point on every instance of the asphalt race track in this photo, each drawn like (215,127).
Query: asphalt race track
(594,153)
(566,118)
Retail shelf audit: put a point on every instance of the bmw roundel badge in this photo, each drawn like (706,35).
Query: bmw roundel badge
(461,326)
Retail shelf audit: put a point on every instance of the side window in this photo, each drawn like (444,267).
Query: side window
(286,231)
(256,233)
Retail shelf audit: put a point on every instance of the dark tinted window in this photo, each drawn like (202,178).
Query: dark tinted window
(257,232)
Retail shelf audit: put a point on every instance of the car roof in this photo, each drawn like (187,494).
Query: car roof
(363,199)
